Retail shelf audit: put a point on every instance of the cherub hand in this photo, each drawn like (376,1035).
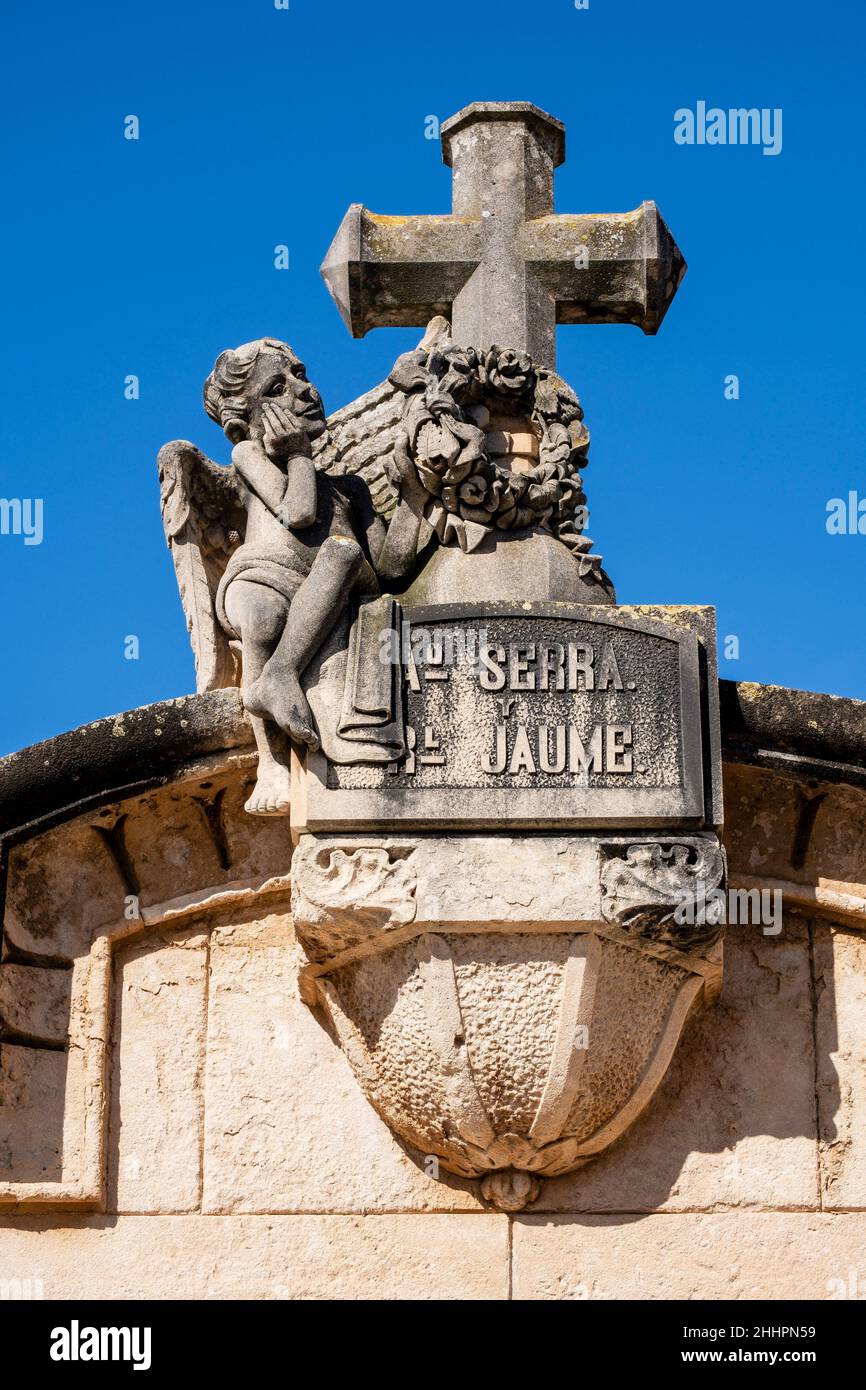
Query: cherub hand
(406,471)
(282,433)
(405,467)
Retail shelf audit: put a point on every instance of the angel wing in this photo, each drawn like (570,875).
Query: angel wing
(361,436)
(204,520)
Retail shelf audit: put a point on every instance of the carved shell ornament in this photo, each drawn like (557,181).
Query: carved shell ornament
(498,444)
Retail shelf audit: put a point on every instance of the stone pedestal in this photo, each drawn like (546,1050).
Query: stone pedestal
(526,565)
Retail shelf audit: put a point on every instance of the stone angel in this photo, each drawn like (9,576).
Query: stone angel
(269,553)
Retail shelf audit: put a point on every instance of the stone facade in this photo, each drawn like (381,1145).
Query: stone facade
(176,1121)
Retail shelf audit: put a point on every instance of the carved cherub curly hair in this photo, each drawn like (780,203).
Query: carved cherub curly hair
(225,389)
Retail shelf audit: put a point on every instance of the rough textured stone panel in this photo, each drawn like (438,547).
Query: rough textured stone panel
(287,1127)
(261,1257)
(732,1255)
(840,974)
(156,1073)
(33,1086)
(35,1003)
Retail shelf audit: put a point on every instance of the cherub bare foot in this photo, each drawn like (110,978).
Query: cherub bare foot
(283,701)
(270,796)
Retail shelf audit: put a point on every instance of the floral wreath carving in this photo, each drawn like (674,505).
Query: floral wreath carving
(452,392)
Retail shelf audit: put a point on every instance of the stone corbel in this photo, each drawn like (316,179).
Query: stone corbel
(508,1006)
(666,892)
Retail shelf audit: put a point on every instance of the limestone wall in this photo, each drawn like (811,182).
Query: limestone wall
(175,1121)
(244,1162)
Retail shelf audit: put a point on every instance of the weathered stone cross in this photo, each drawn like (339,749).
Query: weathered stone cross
(503,266)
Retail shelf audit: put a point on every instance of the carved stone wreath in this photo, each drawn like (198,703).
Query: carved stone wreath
(456,398)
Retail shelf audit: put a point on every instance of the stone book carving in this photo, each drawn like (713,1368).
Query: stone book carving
(503,783)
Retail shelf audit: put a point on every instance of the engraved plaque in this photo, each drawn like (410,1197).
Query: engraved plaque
(540,715)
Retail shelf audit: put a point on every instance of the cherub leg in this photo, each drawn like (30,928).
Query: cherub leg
(259,617)
(314,610)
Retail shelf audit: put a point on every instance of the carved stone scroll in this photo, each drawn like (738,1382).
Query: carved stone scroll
(667,892)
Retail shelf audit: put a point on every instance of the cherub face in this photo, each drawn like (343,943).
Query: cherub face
(279,380)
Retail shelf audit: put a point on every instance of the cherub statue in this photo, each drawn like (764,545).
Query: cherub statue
(279,556)
(269,551)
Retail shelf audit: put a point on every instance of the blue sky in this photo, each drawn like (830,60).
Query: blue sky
(258,127)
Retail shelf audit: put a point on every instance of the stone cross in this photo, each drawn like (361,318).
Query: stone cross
(503,266)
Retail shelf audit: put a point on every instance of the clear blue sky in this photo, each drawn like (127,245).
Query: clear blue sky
(259,126)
